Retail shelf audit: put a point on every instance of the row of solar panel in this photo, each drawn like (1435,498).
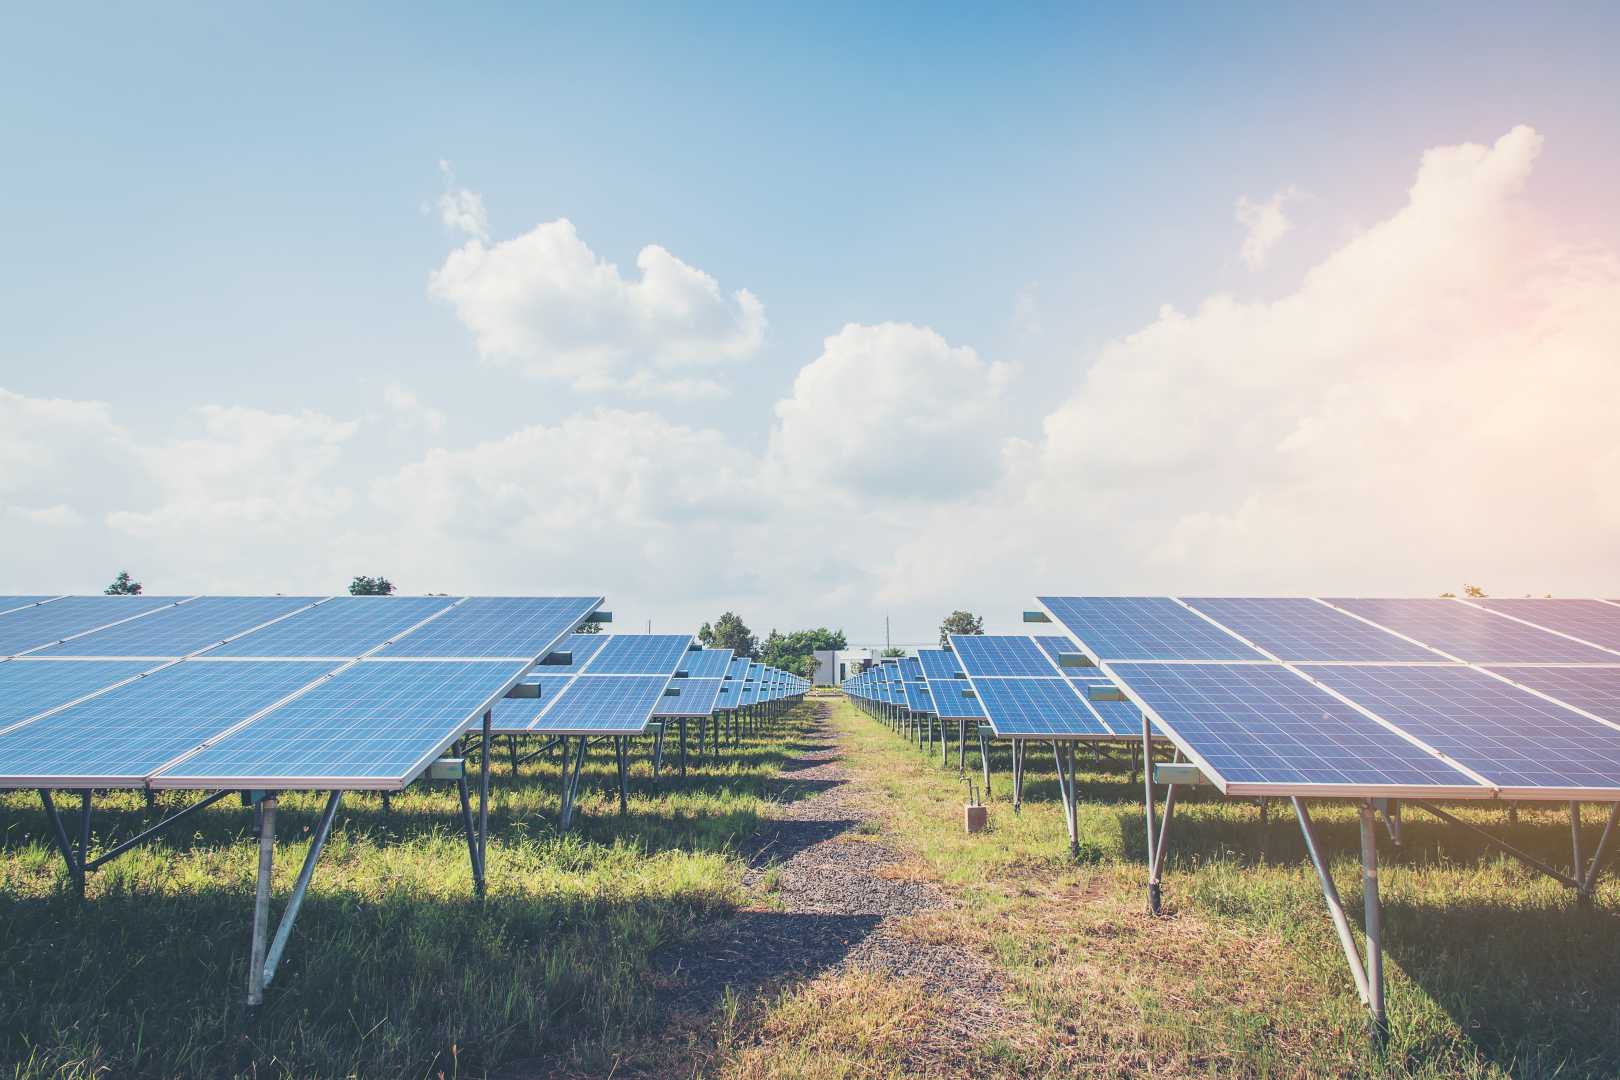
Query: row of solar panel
(143,690)
(1518,698)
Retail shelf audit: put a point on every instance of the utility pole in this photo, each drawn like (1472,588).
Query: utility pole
(886,645)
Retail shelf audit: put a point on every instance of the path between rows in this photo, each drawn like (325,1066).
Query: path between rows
(832,898)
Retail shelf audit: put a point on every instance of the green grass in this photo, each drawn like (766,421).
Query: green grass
(395,969)
(1491,969)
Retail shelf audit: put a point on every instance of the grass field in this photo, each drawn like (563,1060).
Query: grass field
(396,970)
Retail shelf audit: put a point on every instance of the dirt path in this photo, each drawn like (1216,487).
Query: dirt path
(833,898)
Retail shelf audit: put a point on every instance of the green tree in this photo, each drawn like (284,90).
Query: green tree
(589,626)
(706,636)
(807,666)
(894,650)
(959,622)
(370,586)
(730,632)
(123,586)
(1474,591)
(788,651)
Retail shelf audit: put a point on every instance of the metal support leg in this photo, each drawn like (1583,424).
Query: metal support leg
(1524,857)
(1063,756)
(63,844)
(1018,773)
(1374,920)
(571,784)
(984,758)
(84,836)
(1147,814)
(622,751)
(472,836)
(961,747)
(1592,871)
(682,723)
(511,745)
(261,901)
(483,802)
(1341,922)
(300,888)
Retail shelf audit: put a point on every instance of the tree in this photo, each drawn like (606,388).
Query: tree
(807,666)
(370,586)
(959,622)
(788,651)
(123,586)
(1474,591)
(730,632)
(706,636)
(589,626)
(894,650)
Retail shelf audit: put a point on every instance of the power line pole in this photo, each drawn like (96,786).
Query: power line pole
(886,645)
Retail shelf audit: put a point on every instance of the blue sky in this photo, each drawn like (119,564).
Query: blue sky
(240,209)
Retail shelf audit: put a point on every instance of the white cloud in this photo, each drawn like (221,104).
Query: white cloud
(545,303)
(892,410)
(1264,225)
(1434,399)
(1027,309)
(409,411)
(461,210)
(60,516)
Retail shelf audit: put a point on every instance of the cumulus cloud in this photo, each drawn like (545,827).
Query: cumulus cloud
(1264,224)
(545,303)
(461,210)
(1435,397)
(892,410)
(409,411)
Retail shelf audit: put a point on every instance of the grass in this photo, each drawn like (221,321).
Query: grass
(1491,970)
(395,968)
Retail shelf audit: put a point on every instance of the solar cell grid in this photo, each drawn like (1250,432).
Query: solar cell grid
(12,603)
(1471,634)
(181,629)
(30,687)
(697,698)
(981,654)
(938,664)
(707,663)
(640,654)
(1264,730)
(1143,628)
(1589,620)
(579,646)
(1595,689)
(1036,707)
(603,704)
(1299,628)
(31,628)
(342,627)
(521,627)
(1511,737)
(375,724)
(121,737)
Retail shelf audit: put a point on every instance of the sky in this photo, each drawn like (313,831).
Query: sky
(823,315)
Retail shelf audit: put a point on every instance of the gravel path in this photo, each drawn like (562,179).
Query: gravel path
(833,899)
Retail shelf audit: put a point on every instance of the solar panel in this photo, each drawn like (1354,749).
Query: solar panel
(1471,634)
(696,698)
(707,663)
(996,655)
(1260,729)
(1020,708)
(938,664)
(603,705)
(375,724)
(581,647)
(34,627)
(521,627)
(1511,737)
(118,739)
(1595,689)
(640,654)
(30,687)
(1143,628)
(343,627)
(1299,628)
(1596,621)
(181,629)
(918,699)
(12,603)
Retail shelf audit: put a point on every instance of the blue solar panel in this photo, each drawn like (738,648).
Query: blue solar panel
(1025,707)
(513,715)
(34,627)
(30,687)
(1121,717)
(604,705)
(1507,735)
(918,699)
(730,696)
(1262,729)
(182,629)
(1596,621)
(120,738)
(696,698)
(343,627)
(1595,689)
(707,663)
(12,603)
(640,654)
(581,647)
(1143,628)
(938,664)
(982,655)
(375,724)
(521,627)
(1299,628)
(1471,634)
